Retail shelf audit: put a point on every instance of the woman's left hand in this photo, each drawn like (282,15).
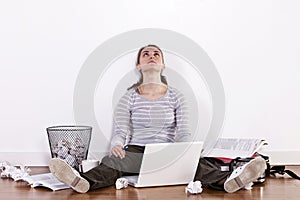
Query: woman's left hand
(118,151)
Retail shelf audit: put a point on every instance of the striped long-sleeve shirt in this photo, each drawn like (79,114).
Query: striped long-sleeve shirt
(139,121)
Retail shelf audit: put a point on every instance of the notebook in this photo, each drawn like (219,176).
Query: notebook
(167,164)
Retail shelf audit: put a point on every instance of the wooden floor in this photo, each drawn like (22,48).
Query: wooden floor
(281,187)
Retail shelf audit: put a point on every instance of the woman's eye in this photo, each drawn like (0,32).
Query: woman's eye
(145,54)
(156,54)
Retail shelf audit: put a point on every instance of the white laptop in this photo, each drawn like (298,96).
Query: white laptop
(167,164)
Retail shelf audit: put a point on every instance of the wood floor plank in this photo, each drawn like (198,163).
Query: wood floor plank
(280,187)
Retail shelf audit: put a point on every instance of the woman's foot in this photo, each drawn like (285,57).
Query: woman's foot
(66,174)
(245,174)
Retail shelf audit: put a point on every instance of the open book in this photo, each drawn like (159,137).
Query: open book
(236,147)
(44,180)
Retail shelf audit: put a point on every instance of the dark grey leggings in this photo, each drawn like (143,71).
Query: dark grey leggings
(210,175)
(112,168)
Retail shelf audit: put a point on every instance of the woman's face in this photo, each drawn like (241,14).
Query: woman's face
(150,56)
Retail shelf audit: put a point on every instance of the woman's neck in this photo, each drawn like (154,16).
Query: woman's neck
(149,78)
(152,90)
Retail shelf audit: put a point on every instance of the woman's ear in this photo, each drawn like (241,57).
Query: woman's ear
(138,67)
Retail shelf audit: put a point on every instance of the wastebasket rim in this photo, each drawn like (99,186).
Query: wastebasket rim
(69,127)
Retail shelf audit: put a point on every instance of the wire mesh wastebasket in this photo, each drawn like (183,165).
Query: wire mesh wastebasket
(70,143)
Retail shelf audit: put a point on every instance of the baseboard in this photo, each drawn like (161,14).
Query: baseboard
(284,157)
(42,158)
(26,158)
(36,158)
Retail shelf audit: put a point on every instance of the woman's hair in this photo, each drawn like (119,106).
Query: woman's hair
(140,81)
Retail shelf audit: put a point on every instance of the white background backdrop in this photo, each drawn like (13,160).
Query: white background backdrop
(255,46)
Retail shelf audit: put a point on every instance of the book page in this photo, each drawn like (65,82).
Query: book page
(233,147)
(52,184)
(44,180)
(34,178)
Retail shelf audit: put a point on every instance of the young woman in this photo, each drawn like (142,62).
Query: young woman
(151,111)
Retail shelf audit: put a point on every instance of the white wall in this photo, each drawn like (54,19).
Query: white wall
(254,45)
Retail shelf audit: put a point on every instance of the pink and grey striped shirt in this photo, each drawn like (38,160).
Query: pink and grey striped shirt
(140,121)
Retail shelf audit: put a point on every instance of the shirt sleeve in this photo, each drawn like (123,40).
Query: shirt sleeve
(121,121)
(183,132)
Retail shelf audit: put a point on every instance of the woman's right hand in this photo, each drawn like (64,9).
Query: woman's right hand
(118,151)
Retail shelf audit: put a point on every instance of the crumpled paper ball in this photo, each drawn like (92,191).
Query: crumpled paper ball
(9,171)
(194,187)
(121,183)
